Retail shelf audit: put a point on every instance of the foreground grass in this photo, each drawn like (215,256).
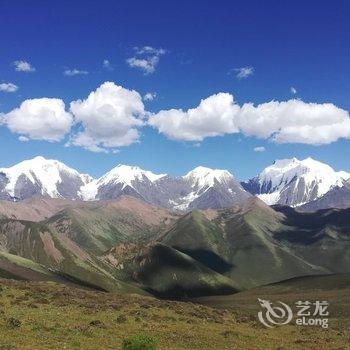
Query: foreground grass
(45,315)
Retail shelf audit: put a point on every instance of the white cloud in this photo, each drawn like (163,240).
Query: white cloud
(293,121)
(40,119)
(147,65)
(8,87)
(110,117)
(149,50)
(260,149)
(2,118)
(150,96)
(146,59)
(293,90)
(23,138)
(107,64)
(23,66)
(72,72)
(244,72)
(213,117)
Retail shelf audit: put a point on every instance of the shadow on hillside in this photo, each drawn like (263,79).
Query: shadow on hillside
(208,258)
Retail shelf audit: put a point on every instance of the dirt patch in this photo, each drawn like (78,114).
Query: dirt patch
(49,247)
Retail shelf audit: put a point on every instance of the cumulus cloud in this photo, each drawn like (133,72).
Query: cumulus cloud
(293,90)
(146,59)
(292,121)
(147,65)
(150,96)
(40,119)
(73,72)
(23,66)
(244,72)
(213,117)
(109,117)
(8,87)
(260,149)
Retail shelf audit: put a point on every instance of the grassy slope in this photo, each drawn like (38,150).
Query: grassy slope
(169,273)
(27,239)
(239,245)
(98,230)
(200,238)
(322,237)
(255,245)
(54,317)
(257,256)
(333,288)
(72,241)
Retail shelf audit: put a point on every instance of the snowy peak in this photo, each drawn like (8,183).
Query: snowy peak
(210,188)
(297,166)
(118,180)
(40,176)
(200,188)
(206,177)
(284,171)
(295,182)
(127,174)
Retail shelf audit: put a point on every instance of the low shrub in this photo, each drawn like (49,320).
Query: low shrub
(121,319)
(139,342)
(13,322)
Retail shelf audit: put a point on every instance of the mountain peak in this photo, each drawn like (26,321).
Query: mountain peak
(297,167)
(295,182)
(39,158)
(41,176)
(128,173)
(284,162)
(202,172)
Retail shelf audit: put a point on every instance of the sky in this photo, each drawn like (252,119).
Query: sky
(169,86)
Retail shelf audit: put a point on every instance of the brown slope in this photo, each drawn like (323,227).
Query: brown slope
(41,208)
(34,209)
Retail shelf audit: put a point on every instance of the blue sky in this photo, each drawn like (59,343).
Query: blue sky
(296,44)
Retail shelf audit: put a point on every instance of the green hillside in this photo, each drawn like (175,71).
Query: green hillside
(167,272)
(254,244)
(128,245)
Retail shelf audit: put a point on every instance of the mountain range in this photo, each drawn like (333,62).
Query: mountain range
(130,246)
(307,184)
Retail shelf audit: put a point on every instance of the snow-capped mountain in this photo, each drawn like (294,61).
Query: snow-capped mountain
(210,188)
(336,197)
(40,176)
(123,180)
(288,182)
(201,188)
(295,182)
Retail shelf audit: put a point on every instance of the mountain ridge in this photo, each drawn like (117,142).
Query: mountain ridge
(200,188)
(294,182)
(291,182)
